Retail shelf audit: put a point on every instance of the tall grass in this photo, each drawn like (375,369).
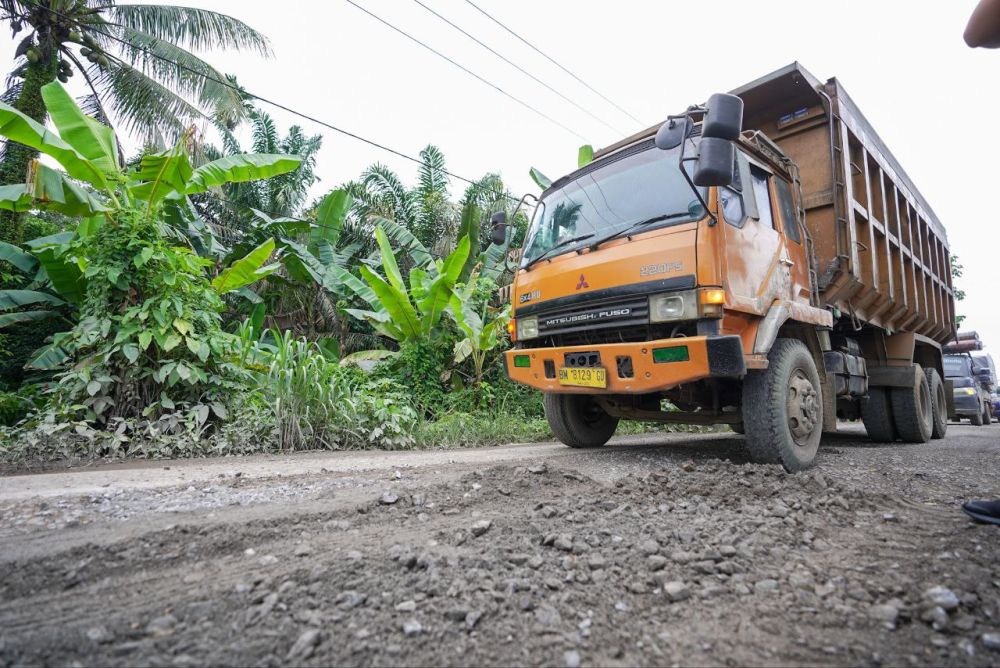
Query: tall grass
(318,404)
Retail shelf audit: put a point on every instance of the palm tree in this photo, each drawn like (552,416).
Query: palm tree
(282,195)
(135,62)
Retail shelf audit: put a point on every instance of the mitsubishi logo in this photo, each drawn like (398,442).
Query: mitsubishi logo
(583,283)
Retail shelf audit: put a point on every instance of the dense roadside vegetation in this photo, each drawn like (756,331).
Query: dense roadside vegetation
(189,310)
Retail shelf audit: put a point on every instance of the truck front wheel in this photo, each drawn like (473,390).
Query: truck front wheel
(578,421)
(912,408)
(783,408)
(976,420)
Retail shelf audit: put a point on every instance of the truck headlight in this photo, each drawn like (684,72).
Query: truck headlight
(527,328)
(965,390)
(672,306)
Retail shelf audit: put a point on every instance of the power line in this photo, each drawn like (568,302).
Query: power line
(519,68)
(466,70)
(265,100)
(553,61)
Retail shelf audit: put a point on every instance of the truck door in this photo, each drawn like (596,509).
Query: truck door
(758,270)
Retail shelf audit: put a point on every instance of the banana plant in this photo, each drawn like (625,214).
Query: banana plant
(93,187)
(407,311)
(483,329)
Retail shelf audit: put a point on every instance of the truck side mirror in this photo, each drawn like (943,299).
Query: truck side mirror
(723,118)
(498,235)
(715,162)
(984,375)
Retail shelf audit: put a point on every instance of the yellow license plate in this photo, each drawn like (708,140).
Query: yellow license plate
(583,377)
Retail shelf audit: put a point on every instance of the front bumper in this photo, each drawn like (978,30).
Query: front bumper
(708,357)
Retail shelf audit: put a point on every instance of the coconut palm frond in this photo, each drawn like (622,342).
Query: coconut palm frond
(431,176)
(195,28)
(191,76)
(389,197)
(144,106)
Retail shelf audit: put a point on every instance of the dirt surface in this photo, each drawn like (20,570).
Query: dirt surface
(655,550)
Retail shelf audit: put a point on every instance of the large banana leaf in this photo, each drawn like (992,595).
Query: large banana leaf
(540,179)
(15,298)
(330,215)
(17,257)
(160,174)
(20,128)
(49,356)
(21,317)
(93,140)
(404,239)
(248,269)
(380,321)
(62,272)
(395,303)
(493,261)
(389,261)
(240,168)
(337,276)
(354,359)
(15,197)
(470,228)
(441,289)
(51,190)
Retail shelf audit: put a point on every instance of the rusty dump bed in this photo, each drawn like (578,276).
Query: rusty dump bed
(881,253)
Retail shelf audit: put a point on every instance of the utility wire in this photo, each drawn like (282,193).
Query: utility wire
(519,68)
(253,96)
(553,61)
(466,70)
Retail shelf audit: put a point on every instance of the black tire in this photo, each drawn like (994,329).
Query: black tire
(783,408)
(987,415)
(876,413)
(939,403)
(738,428)
(578,420)
(976,420)
(912,408)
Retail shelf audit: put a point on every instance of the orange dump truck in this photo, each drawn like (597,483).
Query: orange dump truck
(761,261)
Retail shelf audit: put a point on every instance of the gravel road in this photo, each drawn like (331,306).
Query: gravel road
(655,550)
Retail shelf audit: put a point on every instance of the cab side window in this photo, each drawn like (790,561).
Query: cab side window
(789,216)
(762,192)
(733,198)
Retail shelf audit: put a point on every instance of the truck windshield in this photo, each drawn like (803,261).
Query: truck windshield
(610,199)
(956,366)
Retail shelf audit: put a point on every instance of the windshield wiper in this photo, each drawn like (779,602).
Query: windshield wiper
(561,244)
(641,223)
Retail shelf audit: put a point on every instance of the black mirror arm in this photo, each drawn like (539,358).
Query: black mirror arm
(712,220)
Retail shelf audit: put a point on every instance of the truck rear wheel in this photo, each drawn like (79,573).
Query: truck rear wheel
(912,408)
(578,420)
(876,413)
(939,408)
(783,409)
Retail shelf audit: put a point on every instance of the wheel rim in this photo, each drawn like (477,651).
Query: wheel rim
(802,404)
(593,413)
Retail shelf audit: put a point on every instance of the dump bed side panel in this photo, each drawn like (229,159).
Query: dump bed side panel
(881,253)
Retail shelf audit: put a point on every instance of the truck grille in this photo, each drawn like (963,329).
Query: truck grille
(617,315)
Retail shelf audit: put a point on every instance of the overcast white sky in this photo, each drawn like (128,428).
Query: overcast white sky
(934,101)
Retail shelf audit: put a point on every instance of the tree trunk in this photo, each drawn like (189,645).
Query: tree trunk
(14,168)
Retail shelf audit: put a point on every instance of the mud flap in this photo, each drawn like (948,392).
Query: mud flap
(829,405)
